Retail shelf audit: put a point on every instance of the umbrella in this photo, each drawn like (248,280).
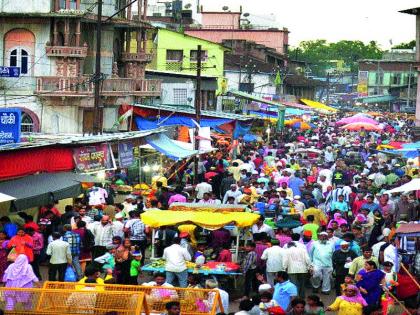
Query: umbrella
(414,184)
(292,121)
(359,126)
(413,146)
(396,144)
(301,125)
(357,119)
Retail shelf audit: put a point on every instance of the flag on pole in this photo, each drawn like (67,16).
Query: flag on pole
(277,80)
(123,118)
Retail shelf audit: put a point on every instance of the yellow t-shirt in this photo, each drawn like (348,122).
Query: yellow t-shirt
(346,308)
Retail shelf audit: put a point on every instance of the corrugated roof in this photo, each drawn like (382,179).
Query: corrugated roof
(255,98)
(186,109)
(41,140)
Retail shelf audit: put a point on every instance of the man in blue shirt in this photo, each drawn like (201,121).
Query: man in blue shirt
(370,205)
(8,227)
(284,290)
(295,183)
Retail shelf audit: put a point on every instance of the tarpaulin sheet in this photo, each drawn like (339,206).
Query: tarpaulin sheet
(318,105)
(165,145)
(241,129)
(208,220)
(147,124)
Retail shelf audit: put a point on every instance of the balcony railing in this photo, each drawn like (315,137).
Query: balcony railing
(66,51)
(81,86)
(136,57)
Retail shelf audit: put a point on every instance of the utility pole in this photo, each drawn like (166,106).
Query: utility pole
(197,111)
(409,87)
(97,125)
(328,89)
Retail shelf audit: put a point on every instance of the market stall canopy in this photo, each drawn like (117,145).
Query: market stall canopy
(168,147)
(39,190)
(256,99)
(208,220)
(409,229)
(359,126)
(357,119)
(6,198)
(182,206)
(318,105)
(414,184)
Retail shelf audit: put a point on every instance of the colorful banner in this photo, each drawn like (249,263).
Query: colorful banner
(10,121)
(93,158)
(125,154)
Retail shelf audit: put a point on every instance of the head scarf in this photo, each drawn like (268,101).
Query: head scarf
(20,270)
(337,218)
(358,298)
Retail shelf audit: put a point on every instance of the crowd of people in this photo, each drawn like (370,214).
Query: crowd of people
(327,224)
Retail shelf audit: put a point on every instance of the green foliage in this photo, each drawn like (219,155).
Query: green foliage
(409,45)
(319,52)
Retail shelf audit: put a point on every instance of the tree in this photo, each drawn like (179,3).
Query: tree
(318,53)
(409,45)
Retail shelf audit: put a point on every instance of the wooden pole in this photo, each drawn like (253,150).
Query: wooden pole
(396,300)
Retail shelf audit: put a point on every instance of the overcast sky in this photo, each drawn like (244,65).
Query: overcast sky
(334,20)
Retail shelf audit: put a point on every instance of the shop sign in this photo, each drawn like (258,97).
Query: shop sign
(93,158)
(10,121)
(9,72)
(125,154)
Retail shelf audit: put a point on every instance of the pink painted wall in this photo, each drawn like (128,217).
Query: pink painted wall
(272,39)
(220,20)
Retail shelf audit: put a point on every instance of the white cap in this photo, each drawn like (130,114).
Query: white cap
(386,232)
(344,243)
(323,233)
(264,287)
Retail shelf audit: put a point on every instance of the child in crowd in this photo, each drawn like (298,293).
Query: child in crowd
(314,305)
(348,280)
(135,267)
(266,303)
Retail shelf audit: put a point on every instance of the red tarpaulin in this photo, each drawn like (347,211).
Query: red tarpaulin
(26,162)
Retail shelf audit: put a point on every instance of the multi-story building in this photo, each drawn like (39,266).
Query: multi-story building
(175,62)
(391,80)
(53,42)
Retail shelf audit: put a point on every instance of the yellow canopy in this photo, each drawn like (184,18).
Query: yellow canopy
(208,220)
(318,105)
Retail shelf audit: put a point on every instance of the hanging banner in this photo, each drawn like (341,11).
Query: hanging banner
(362,86)
(125,154)
(94,158)
(10,121)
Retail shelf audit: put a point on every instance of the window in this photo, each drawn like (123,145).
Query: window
(20,58)
(27,124)
(180,96)
(396,79)
(174,55)
(379,78)
(194,54)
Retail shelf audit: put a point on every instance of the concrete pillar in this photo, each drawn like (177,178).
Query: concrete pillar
(129,13)
(139,10)
(418,73)
(55,33)
(127,40)
(139,41)
(145,10)
(66,32)
(78,33)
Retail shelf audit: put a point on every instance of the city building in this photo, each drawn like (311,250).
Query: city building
(416,12)
(175,62)
(391,80)
(53,42)
(229,25)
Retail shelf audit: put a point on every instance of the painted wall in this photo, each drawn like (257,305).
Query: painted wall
(167,39)
(168,92)
(25,6)
(219,19)
(263,83)
(273,39)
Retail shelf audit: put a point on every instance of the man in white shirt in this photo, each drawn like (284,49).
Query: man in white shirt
(60,253)
(201,189)
(261,227)
(274,256)
(224,296)
(118,225)
(175,266)
(103,232)
(297,264)
(232,192)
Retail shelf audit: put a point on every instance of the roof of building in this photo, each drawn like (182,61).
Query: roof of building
(34,140)
(187,109)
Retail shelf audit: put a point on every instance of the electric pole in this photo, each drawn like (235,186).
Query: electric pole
(197,111)
(97,125)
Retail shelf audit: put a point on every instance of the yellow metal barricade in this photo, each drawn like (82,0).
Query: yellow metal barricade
(193,301)
(90,300)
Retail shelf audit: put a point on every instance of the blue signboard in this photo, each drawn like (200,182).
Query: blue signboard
(125,154)
(9,72)
(10,120)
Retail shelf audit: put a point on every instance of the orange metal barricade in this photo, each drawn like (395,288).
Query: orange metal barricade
(89,300)
(193,301)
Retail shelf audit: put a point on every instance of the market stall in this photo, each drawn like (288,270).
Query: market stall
(184,206)
(208,220)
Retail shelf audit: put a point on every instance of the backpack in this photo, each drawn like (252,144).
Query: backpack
(89,240)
